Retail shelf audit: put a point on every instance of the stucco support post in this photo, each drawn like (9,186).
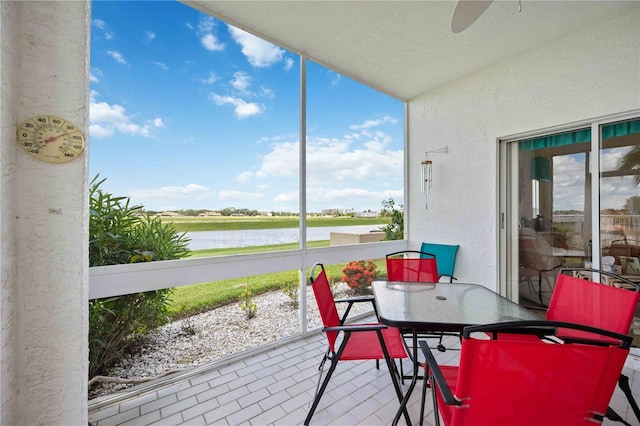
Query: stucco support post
(44,218)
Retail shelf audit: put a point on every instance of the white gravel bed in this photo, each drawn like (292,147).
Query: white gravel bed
(207,337)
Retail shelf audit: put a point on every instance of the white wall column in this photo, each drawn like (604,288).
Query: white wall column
(44,60)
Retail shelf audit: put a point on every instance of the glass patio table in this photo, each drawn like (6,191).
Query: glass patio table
(440,307)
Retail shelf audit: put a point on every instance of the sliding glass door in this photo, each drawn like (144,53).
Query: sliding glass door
(620,196)
(556,195)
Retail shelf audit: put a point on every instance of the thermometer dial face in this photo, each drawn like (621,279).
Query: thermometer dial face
(50,138)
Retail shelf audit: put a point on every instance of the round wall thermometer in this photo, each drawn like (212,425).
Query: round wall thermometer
(50,138)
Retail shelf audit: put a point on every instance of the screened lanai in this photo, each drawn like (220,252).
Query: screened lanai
(517,73)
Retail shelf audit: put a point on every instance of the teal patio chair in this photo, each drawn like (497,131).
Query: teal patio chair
(445,258)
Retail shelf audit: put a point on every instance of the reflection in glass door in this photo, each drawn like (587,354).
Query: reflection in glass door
(553,206)
(553,210)
(620,197)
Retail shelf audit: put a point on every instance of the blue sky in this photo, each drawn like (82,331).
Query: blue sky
(188,112)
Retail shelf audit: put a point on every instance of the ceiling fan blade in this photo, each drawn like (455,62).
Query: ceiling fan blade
(467,12)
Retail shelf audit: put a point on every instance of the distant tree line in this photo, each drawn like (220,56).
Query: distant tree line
(229,211)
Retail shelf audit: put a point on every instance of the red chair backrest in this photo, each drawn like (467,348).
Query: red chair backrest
(505,383)
(424,270)
(586,302)
(326,303)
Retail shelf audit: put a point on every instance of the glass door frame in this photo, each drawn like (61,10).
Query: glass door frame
(507,209)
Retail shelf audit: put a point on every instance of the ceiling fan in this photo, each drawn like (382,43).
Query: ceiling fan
(466,13)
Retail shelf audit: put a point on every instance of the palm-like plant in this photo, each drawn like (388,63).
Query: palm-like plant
(631,161)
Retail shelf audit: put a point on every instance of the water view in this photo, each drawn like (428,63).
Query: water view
(203,240)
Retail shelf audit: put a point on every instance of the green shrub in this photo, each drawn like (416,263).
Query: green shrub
(247,305)
(394,230)
(118,234)
(290,289)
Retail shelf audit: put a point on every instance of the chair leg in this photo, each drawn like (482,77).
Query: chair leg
(613,416)
(540,288)
(423,399)
(320,388)
(623,382)
(393,372)
(441,347)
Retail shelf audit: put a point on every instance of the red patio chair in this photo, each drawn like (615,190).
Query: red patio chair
(583,301)
(591,303)
(415,266)
(352,342)
(527,382)
(412,266)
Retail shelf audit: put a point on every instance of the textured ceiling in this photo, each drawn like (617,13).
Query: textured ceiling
(404,48)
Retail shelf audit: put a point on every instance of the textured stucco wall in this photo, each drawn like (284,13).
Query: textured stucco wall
(589,74)
(8,258)
(43,218)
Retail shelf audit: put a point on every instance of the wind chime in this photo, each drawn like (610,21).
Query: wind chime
(426,173)
(427,179)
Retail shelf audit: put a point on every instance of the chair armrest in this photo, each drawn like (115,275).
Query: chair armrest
(356,327)
(437,376)
(356,299)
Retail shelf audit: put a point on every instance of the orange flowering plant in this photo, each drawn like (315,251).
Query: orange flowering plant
(358,275)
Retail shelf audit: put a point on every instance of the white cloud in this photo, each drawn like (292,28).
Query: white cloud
(150,35)
(288,64)
(358,170)
(210,42)
(117,56)
(287,197)
(206,26)
(99,132)
(282,160)
(242,108)
(335,78)
(161,65)
(241,82)
(106,119)
(232,195)
(211,79)
(373,123)
(335,160)
(169,193)
(259,52)
(615,191)
(102,25)
(267,93)
(244,177)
